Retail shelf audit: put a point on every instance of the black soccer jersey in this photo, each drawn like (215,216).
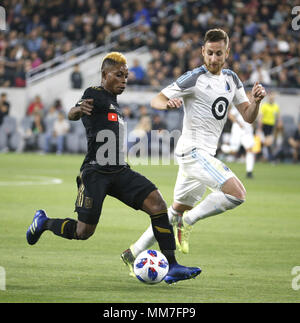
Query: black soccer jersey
(104,130)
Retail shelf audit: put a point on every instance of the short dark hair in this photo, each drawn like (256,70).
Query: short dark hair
(216,34)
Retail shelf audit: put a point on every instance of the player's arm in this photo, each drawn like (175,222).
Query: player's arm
(249,110)
(161,102)
(84,106)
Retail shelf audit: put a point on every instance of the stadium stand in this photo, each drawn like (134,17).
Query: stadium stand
(42,35)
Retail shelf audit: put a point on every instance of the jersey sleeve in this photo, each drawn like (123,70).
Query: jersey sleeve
(184,85)
(174,91)
(87,94)
(240,95)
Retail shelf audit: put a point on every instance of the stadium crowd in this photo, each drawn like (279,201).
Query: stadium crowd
(260,31)
(47,130)
(261,38)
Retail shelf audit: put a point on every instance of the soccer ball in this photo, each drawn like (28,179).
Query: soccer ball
(151,266)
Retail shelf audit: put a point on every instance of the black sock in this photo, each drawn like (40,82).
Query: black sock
(65,228)
(163,233)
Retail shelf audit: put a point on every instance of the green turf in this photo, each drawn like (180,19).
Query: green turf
(246,255)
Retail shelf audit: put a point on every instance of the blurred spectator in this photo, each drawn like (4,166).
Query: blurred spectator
(127,113)
(76,78)
(5,80)
(34,41)
(114,18)
(35,106)
(3,112)
(33,133)
(60,128)
(4,100)
(142,15)
(58,104)
(140,135)
(20,76)
(35,60)
(260,75)
(136,73)
(259,32)
(51,115)
(158,123)
(294,142)
(143,111)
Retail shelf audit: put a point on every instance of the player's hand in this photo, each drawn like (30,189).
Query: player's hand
(174,103)
(86,106)
(258,92)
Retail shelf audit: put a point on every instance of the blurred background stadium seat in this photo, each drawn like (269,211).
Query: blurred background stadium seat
(53,50)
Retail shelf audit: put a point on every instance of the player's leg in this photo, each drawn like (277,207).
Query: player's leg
(140,193)
(147,239)
(155,206)
(250,161)
(70,228)
(228,193)
(248,142)
(91,193)
(66,228)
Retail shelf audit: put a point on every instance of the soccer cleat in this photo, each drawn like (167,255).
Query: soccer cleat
(177,272)
(36,228)
(182,234)
(128,259)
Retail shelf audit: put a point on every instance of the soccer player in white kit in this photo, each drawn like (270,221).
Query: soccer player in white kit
(241,134)
(206,93)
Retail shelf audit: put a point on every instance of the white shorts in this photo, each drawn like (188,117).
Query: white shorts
(193,178)
(239,137)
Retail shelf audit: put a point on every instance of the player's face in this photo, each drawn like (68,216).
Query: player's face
(115,79)
(215,54)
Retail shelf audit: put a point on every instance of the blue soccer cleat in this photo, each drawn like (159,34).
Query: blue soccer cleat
(36,228)
(178,272)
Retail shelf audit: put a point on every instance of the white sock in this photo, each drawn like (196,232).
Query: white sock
(147,239)
(172,213)
(215,203)
(250,158)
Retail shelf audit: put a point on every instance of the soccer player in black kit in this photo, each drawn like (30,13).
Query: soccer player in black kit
(105,172)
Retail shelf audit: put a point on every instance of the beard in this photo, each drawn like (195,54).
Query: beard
(214,68)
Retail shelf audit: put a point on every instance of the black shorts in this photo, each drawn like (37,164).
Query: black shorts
(267,129)
(126,185)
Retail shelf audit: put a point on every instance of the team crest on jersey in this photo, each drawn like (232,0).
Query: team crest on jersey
(219,107)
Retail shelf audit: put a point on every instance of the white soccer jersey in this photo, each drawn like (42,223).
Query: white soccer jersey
(206,99)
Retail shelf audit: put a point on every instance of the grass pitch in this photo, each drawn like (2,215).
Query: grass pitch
(247,254)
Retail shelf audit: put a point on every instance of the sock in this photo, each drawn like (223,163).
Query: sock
(147,239)
(249,161)
(172,213)
(265,152)
(65,228)
(270,153)
(215,203)
(163,233)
